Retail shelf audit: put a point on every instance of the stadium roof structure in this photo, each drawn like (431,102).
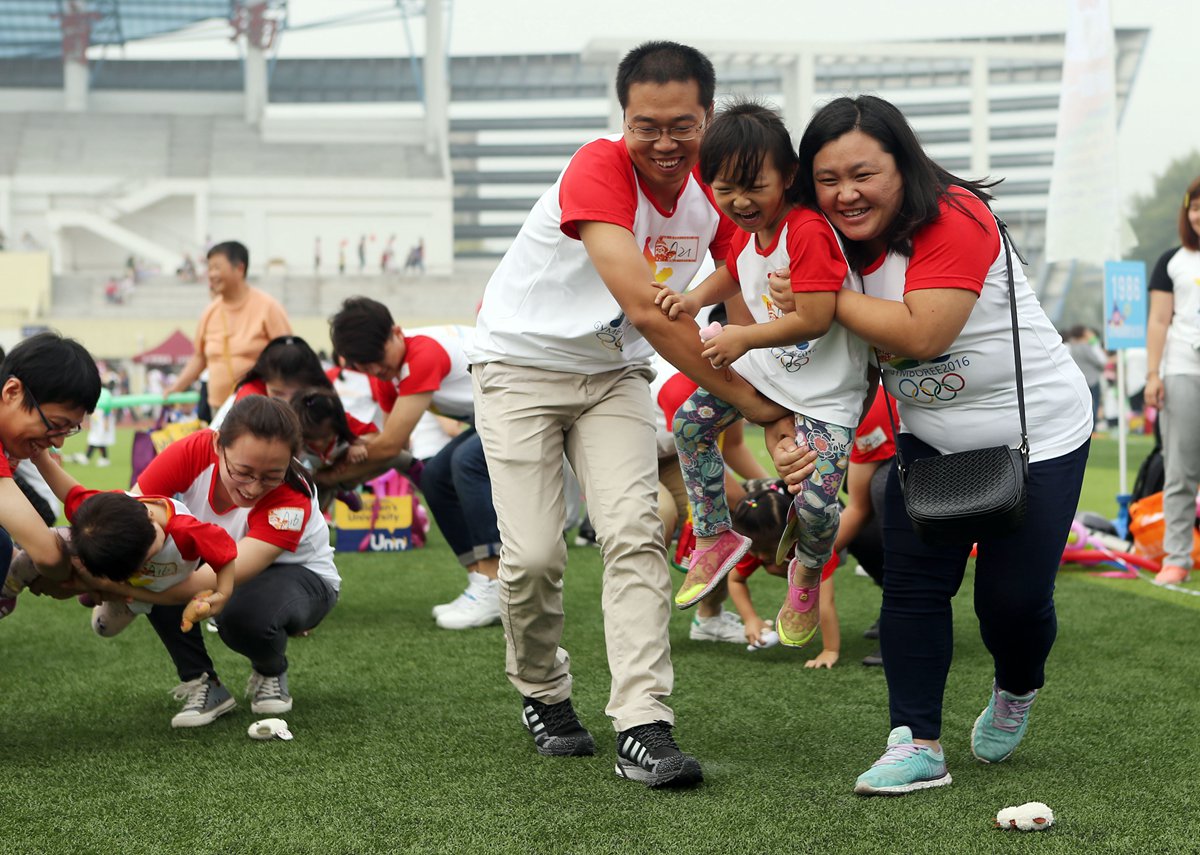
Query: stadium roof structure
(40,28)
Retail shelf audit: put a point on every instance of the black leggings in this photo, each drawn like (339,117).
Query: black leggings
(1014,593)
(280,601)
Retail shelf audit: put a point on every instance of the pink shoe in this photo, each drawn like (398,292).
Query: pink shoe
(1171,574)
(708,567)
(801,614)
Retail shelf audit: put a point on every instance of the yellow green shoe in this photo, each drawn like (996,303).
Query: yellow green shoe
(709,567)
(798,619)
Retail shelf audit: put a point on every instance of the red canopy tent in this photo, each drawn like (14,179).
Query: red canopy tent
(175,350)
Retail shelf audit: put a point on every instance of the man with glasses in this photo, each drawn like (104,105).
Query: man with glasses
(561,362)
(47,385)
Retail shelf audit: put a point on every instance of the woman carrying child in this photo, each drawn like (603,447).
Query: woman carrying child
(244,478)
(800,360)
(937,310)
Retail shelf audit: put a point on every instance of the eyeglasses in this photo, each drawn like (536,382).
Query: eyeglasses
(647,134)
(244,478)
(52,430)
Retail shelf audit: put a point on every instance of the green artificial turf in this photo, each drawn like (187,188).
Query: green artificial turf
(407,737)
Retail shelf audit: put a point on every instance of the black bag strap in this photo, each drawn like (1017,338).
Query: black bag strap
(1009,248)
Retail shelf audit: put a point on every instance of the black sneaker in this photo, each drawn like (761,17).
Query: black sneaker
(874,660)
(872,631)
(556,729)
(648,753)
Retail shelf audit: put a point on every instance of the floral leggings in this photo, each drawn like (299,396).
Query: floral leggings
(698,424)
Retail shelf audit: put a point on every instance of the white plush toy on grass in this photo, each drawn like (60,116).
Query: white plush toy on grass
(1031,816)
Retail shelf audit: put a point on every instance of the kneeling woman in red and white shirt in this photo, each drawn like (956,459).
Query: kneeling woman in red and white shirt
(245,478)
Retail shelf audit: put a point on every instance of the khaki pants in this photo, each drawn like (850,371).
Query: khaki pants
(528,417)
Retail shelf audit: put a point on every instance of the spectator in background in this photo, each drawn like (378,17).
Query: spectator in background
(234,328)
(389,252)
(416,258)
(1173,383)
(1084,346)
(362,253)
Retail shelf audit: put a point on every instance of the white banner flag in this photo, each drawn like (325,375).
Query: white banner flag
(1082,218)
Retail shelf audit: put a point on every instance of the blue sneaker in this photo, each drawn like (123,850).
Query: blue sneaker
(1002,724)
(904,767)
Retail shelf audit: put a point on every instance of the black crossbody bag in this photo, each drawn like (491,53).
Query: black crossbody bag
(968,496)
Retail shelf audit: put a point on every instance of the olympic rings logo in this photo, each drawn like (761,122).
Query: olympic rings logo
(930,389)
(612,334)
(791,359)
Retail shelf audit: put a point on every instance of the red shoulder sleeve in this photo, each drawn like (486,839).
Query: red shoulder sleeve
(736,247)
(206,541)
(598,186)
(280,518)
(178,465)
(815,259)
(360,428)
(76,496)
(254,387)
(956,249)
(426,364)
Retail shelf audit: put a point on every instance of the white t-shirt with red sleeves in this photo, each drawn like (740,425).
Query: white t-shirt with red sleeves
(187,470)
(547,307)
(435,360)
(966,398)
(188,544)
(825,378)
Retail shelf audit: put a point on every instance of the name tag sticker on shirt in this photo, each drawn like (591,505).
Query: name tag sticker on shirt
(286,519)
(870,441)
(677,248)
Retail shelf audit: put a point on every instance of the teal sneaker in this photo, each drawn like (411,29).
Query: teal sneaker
(904,767)
(1002,724)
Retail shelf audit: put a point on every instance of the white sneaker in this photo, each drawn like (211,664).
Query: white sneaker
(481,607)
(475,582)
(726,626)
(79,459)
(110,618)
(104,461)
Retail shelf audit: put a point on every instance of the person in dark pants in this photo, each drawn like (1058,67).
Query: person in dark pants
(936,306)
(245,478)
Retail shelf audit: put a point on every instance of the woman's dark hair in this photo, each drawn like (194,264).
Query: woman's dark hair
(925,184)
(290,359)
(320,411)
(112,534)
(267,418)
(738,142)
(1187,234)
(762,514)
(54,370)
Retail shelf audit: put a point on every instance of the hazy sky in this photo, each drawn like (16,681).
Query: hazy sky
(1154,130)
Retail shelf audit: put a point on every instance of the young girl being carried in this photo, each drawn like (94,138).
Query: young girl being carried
(801,360)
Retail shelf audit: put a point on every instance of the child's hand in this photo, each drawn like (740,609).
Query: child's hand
(216,603)
(673,303)
(755,628)
(824,659)
(779,283)
(356,453)
(725,348)
(197,609)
